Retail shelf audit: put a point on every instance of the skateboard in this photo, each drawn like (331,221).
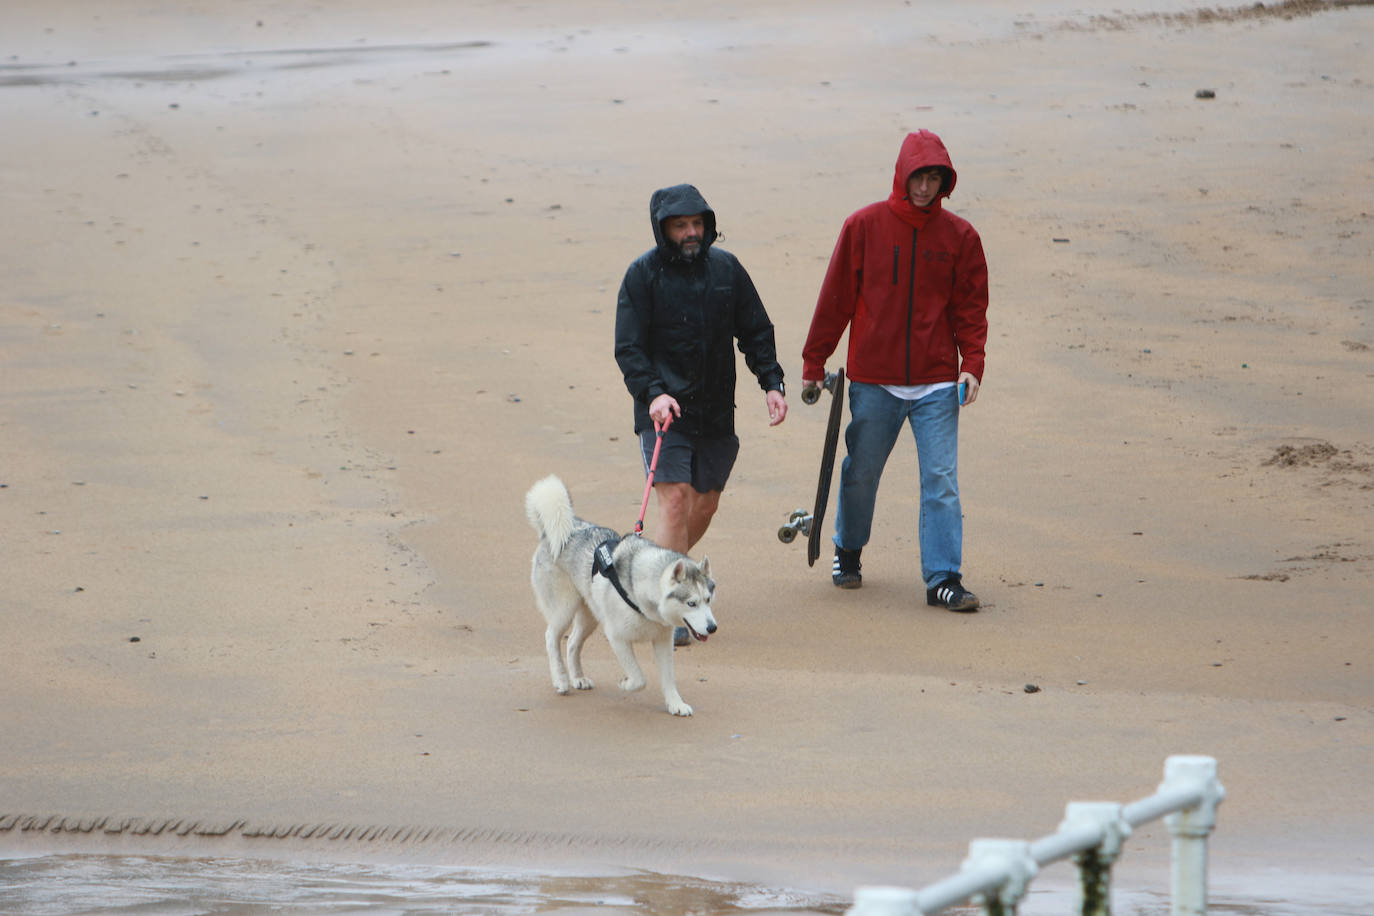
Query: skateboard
(809,523)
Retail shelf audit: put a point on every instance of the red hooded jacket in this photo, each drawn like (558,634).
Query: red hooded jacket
(910,283)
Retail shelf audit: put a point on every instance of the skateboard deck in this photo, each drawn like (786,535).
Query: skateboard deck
(832,436)
(811,523)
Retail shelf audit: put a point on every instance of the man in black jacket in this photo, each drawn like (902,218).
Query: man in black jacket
(682,306)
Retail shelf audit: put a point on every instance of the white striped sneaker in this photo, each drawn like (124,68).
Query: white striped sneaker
(952,596)
(844,572)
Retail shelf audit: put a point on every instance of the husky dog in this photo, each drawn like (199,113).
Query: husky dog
(584,575)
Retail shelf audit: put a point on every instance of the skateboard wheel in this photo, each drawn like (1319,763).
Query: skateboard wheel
(787,534)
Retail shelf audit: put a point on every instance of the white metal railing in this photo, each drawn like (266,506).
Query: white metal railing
(997,873)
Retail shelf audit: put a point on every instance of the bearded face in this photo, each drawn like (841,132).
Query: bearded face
(687,234)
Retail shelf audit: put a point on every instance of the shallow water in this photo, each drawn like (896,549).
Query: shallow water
(67,885)
(59,885)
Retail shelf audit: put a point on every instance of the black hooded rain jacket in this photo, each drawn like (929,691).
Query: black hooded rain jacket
(676,322)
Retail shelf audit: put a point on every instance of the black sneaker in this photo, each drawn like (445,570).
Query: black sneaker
(952,596)
(844,572)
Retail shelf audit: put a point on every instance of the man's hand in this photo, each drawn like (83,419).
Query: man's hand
(663,407)
(777,408)
(966,378)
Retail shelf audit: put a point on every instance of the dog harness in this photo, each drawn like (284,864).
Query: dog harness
(603,564)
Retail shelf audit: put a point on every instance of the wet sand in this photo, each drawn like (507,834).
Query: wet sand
(298,302)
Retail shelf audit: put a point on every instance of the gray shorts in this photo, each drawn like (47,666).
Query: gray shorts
(704,463)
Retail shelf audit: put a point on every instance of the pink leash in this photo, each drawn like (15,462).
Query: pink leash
(653,466)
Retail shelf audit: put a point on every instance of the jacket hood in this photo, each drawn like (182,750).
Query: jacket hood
(679,200)
(920,150)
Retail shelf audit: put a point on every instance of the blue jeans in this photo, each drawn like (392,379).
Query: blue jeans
(876,419)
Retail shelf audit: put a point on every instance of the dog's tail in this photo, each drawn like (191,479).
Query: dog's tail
(549,509)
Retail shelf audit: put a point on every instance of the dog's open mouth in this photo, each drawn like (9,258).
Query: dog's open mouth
(699,637)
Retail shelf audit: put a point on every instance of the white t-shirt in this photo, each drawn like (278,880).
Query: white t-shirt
(915,392)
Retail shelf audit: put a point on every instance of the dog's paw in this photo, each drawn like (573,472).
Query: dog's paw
(679,709)
(630,685)
(583,683)
(563,689)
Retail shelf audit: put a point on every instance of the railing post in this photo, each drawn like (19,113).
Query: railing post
(1014,859)
(1190,829)
(1095,865)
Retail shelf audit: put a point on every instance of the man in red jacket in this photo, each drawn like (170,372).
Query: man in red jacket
(909,280)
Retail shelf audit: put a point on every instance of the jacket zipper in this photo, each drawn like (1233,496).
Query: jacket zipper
(910,304)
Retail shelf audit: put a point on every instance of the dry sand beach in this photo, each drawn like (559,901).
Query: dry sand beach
(298,299)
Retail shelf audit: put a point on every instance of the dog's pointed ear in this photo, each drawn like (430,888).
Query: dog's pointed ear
(706,567)
(679,570)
